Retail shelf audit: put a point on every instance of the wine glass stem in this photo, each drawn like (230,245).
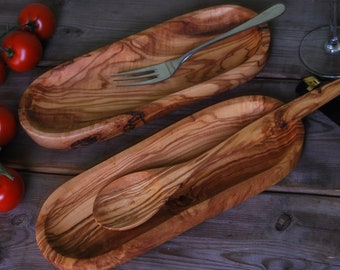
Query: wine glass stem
(332,45)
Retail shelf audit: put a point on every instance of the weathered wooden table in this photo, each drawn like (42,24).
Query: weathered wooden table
(294,225)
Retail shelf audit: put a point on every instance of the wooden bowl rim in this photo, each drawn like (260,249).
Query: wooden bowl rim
(116,257)
(99,131)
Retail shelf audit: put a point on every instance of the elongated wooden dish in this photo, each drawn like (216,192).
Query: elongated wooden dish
(70,238)
(79,103)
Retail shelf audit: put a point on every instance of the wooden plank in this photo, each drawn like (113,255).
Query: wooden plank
(80,31)
(18,249)
(296,231)
(244,237)
(287,35)
(318,168)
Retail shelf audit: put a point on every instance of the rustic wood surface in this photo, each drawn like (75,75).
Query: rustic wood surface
(294,225)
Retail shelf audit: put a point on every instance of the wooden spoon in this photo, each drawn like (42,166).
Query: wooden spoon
(134,198)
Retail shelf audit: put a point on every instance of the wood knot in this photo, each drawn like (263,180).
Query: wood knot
(176,204)
(277,263)
(20,220)
(283,222)
(282,124)
(137,117)
(70,31)
(84,142)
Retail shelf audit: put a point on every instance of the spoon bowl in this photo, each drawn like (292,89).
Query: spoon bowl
(138,187)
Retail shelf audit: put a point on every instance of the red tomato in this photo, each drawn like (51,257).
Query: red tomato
(8,125)
(39,19)
(11,190)
(21,50)
(2,72)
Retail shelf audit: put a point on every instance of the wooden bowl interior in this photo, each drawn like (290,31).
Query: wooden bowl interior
(82,92)
(67,233)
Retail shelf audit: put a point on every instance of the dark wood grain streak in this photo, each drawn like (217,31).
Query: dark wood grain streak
(244,237)
(78,102)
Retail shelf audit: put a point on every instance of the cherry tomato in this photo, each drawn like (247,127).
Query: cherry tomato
(8,125)
(21,50)
(11,190)
(2,72)
(39,19)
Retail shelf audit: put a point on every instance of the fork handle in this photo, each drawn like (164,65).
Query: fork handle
(263,17)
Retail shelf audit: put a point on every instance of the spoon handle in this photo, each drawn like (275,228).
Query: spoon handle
(257,132)
(310,102)
(235,153)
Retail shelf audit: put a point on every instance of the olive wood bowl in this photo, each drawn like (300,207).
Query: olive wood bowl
(69,236)
(78,103)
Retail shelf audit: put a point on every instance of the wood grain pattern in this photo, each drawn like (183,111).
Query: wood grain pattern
(78,103)
(244,237)
(69,236)
(132,199)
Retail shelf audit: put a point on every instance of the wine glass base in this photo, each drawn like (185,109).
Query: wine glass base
(315,57)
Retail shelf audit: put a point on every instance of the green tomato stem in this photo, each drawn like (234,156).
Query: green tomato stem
(4,172)
(31,26)
(8,51)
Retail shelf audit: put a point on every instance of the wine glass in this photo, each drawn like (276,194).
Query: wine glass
(320,49)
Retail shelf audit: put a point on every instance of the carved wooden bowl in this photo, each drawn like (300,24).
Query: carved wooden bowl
(78,103)
(70,238)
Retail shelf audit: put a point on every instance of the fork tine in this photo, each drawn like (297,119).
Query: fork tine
(130,78)
(135,71)
(154,80)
